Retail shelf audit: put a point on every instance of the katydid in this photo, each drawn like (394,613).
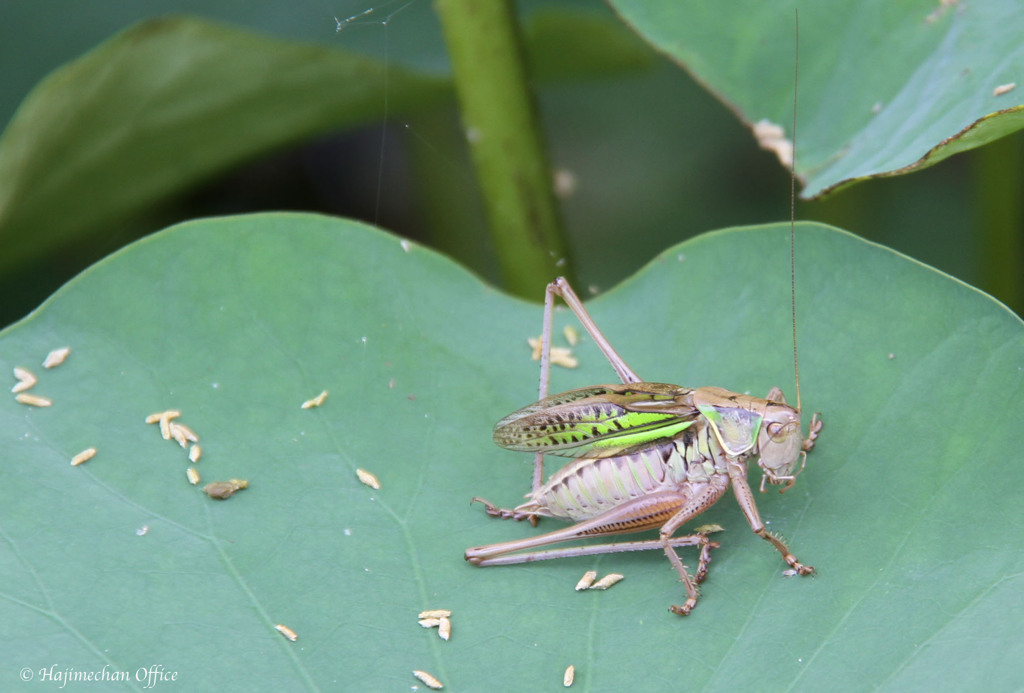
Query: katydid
(645,456)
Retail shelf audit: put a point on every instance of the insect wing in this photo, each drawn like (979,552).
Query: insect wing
(598,421)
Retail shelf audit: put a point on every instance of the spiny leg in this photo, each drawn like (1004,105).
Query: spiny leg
(538,481)
(703,562)
(483,557)
(503,513)
(705,556)
(816,425)
(545,374)
(691,584)
(740,487)
(783,549)
(665,509)
(561,287)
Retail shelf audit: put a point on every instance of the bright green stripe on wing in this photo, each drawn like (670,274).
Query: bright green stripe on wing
(638,436)
(579,439)
(619,427)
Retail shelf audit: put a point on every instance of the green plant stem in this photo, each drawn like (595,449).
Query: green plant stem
(504,137)
(998,179)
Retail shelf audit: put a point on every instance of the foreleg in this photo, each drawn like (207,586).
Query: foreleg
(744,496)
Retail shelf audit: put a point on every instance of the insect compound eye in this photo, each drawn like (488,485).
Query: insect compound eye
(779,431)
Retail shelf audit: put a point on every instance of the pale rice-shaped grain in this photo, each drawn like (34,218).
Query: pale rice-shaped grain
(287,632)
(83,456)
(186,431)
(56,357)
(607,581)
(571,335)
(178,434)
(586,581)
(368,478)
(165,422)
(428,679)
(535,346)
(33,400)
(560,356)
(26,379)
(316,401)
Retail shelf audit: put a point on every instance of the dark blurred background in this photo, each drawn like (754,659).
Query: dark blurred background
(648,157)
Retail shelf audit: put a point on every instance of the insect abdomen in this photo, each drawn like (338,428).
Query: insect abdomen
(588,487)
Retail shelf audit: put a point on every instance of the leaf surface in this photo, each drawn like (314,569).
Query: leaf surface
(237,321)
(885,87)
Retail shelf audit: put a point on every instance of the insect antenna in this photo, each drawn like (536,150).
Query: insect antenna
(792,209)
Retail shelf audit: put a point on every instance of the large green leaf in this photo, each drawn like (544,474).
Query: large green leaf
(908,508)
(165,104)
(884,87)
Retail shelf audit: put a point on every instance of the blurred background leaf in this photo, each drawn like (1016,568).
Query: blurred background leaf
(165,104)
(934,97)
(639,146)
(237,321)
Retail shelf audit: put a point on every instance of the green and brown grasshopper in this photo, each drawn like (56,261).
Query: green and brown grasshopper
(646,456)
